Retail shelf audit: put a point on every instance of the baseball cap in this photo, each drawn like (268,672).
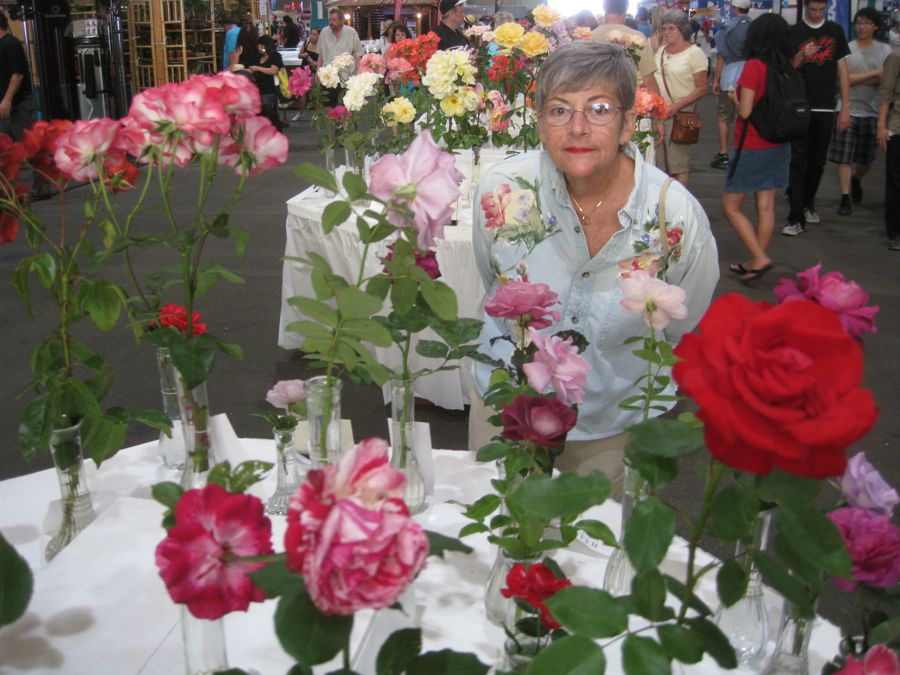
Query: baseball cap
(447,5)
(741,4)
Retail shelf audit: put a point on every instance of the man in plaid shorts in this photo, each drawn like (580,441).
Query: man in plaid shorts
(853,150)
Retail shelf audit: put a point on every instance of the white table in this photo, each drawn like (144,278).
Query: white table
(99,607)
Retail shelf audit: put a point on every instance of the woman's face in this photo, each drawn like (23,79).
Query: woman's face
(581,148)
(671,34)
(399,34)
(314,34)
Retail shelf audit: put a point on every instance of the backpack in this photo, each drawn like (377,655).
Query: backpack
(731,38)
(782,114)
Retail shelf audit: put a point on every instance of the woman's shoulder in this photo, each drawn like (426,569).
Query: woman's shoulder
(525,165)
(680,205)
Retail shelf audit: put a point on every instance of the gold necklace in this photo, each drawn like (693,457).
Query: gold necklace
(585,218)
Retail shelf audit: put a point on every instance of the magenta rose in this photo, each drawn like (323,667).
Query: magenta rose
(873,542)
(300,81)
(557,364)
(350,534)
(879,660)
(421,187)
(195,560)
(845,298)
(426,261)
(523,300)
(863,487)
(544,421)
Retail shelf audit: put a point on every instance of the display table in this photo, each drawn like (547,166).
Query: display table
(100,606)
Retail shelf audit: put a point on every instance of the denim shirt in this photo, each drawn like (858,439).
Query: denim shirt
(525,227)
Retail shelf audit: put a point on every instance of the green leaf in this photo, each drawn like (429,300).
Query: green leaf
(356,304)
(398,651)
(219,226)
(44,266)
(16,583)
(299,669)
(155,419)
(566,495)
(277,580)
(379,285)
(641,655)
(355,186)
(194,360)
(441,298)
(107,437)
(248,473)
(446,662)
(649,533)
(734,512)
(316,175)
(597,530)
(231,349)
(491,452)
(36,425)
(665,437)
(571,655)
(308,635)
(714,641)
(731,582)
(403,294)
(368,330)
(588,611)
(885,632)
(781,581)
(656,470)
(815,536)
(648,596)
(335,214)
(677,589)
(167,493)
(103,303)
(483,507)
(438,544)
(88,357)
(782,487)
(432,349)
(309,329)
(241,239)
(20,282)
(680,643)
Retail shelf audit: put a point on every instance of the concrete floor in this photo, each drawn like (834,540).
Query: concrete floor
(248,314)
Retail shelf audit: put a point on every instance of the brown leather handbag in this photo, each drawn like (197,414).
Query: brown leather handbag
(686,123)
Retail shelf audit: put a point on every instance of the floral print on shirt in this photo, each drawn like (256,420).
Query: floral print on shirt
(649,252)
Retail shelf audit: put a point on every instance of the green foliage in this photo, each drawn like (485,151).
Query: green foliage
(16,583)
(589,612)
(242,477)
(571,655)
(398,651)
(305,633)
(446,662)
(641,655)
(649,533)
(438,544)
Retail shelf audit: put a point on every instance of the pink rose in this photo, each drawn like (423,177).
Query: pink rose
(422,180)
(879,660)
(236,94)
(300,81)
(873,542)
(557,363)
(397,67)
(499,113)
(286,392)
(658,301)
(88,141)
(845,298)
(863,487)
(339,113)
(519,299)
(195,560)
(350,534)
(372,63)
(259,144)
(544,421)
(494,205)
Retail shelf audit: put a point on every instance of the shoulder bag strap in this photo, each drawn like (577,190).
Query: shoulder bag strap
(662,69)
(661,215)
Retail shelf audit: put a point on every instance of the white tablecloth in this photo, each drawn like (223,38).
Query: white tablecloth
(100,607)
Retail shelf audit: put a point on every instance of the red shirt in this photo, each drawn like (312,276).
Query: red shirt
(752,77)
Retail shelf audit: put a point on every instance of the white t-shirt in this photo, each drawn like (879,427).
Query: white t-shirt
(680,69)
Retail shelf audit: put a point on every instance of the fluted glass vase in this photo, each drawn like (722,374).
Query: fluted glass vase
(403,455)
(619,570)
(323,403)
(496,607)
(746,623)
(204,644)
(330,167)
(290,469)
(77,509)
(194,407)
(171,445)
(791,656)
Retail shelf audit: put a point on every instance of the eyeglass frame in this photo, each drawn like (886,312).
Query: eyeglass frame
(583,111)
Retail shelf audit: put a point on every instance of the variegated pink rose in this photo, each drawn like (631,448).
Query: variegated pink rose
(494,205)
(557,363)
(260,145)
(530,302)
(88,142)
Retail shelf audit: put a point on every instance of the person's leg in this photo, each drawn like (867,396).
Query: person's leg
(796,181)
(723,137)
(892,192)
(867,150)
(731,209)
(682,177)
(819,136)
(765,218)
(844,171)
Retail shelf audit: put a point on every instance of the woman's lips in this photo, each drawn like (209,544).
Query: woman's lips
(577,150)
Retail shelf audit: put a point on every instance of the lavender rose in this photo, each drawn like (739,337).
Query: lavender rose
(286,392)
(864,488)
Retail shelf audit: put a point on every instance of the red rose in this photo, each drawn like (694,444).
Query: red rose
(176,316)
(546,421)
(9,227)
(11,156)
(777,385)
(40,145)
(535,584)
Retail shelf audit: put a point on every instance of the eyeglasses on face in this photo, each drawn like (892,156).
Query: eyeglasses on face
(598,114)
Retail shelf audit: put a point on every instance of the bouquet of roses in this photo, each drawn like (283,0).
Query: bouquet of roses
(415,53)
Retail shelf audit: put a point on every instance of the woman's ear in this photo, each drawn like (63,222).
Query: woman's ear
(629,119)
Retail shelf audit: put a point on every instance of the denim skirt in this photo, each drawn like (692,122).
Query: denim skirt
(757,170)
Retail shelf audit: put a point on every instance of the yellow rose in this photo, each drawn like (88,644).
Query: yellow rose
(545,17)
(453,105)
(508,34)
(398,111)
(534,43)
(471,98)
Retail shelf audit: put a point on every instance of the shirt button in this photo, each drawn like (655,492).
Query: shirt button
(577,229)
(574,319)
(585,275)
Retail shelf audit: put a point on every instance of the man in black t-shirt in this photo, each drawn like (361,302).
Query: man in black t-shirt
(821,52)
(16,102)
(453,14)
(290,34)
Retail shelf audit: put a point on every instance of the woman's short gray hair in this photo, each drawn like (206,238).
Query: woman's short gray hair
(501,18)
(678,19)
(585,64)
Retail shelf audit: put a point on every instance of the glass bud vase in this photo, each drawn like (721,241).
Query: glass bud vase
(619,570)
(791,656)
(171,445)
(330,167)
(77,509)
(194,407)
(290,469)
(323,403)
(525,635)
(204,644)
(746,623)
(403,455)
(495,605)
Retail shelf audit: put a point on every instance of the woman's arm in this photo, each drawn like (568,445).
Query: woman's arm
(745,103)
(235,56)
(696,94)
(267,70)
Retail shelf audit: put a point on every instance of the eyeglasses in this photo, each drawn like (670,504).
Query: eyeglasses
(597,114)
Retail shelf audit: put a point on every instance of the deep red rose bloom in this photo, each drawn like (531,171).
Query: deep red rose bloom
(121,176)
(211,526)
(546,421)
(176,316)
(11,156)
(9,227)
(535,585)
(40,145)
(426,261)
(778,386)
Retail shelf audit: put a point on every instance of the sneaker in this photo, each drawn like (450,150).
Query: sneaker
(810,216)
(855,190)
(720,161)
(894,244)
(845,209)
(793,229)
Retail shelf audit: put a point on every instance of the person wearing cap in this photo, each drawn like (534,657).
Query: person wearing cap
(729,63)
(231,35)
(453,14)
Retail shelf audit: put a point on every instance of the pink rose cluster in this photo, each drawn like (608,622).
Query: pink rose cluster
(845,298)
(285,393)
(420,186)
(527,302)
(398,68)
(339,114)
(300,81)
(494,205)
(372,63)
(873,542)
(658,301)
(557,363)
(350,534)
(879,660)
(175,122)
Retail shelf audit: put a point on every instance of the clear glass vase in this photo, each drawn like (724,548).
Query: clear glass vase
(330,167)
(323,403)
(746,623)
(619,570)
(194,407)
(171,445)
(75,503)
(496,607)
(403,455)
(525,636)
(791,656)
(204,644)
(290,469)
(355,160)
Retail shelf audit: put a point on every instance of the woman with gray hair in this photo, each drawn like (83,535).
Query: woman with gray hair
(577,215)
(681,73)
